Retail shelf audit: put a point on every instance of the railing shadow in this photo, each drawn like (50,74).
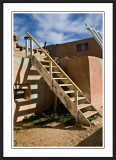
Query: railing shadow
(58,125)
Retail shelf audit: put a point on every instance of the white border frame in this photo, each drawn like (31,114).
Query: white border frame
(8,151)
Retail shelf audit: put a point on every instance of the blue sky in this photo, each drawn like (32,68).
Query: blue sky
(55,28)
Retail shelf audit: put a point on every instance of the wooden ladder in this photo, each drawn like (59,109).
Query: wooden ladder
(64,88)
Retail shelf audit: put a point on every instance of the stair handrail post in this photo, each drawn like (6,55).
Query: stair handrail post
(31,47)
(76,104)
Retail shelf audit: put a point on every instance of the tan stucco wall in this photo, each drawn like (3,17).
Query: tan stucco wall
(40,98)
(15,38)
(86,72)
(96,81)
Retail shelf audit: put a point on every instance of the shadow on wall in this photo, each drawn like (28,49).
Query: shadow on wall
(34,90)
(78,70)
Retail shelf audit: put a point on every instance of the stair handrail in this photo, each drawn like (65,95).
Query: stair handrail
(55,64)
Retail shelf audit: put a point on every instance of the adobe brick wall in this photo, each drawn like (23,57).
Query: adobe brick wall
(52,50)
(70,49)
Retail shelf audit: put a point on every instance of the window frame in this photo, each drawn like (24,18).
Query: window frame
(82,46)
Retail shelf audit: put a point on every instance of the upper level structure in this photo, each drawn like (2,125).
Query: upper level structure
(85,47)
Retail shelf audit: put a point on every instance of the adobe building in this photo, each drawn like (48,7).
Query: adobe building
(82,62)
(85,47)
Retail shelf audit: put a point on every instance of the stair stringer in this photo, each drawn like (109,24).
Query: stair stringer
(54,86)
(83,119)
(87,101)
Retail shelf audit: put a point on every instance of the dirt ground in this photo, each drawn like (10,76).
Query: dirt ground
(56,134)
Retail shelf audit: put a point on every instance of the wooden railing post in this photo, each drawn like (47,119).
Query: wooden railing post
(76,103)
(31,47)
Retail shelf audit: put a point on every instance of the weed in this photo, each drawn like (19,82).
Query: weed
(92,118)
(25,119)
(62,119)
(42,122)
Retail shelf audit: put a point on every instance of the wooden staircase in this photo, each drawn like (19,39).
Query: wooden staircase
(64,88)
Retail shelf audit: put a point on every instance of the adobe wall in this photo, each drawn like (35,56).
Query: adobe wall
(15,38)
(39,97)
(52,50)
(86,72)
(96,81)
(70,49)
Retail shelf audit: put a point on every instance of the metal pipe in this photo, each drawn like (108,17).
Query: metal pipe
(26,45)
(31,47)
(94,33)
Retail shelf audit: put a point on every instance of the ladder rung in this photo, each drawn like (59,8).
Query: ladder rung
(61,85)
(69,91)
(59,78)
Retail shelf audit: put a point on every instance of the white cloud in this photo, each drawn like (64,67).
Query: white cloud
(58,27)
(21,33)
(55,27)
(20,28)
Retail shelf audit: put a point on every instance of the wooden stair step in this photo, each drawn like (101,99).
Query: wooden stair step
(60,78)
(44,61)
(79,98)
(72,99)
(89,113)
(56,72)
(38,55)
(61,85)
(69,91)
(81,106)
(48,66)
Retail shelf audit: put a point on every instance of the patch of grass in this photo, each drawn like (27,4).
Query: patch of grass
(63,119)
(42,122)
(25,119)
(61,115)
(31,118)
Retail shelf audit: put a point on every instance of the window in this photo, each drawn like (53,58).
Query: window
(82,47)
